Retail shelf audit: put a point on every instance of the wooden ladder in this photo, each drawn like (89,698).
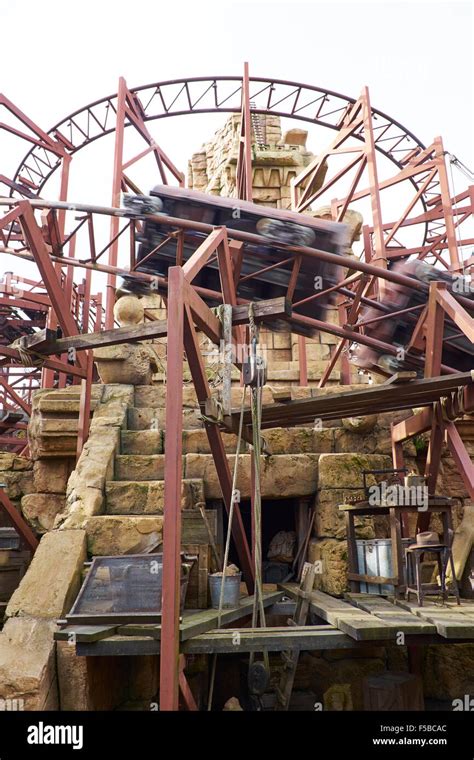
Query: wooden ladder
(290,657)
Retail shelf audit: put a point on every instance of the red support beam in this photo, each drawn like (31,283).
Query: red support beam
(445,195)
(169,650)
(13,395)
(59,303)
(17,522)
(244,159)
(216,444)
(461,457)
(188,696)
(434,331)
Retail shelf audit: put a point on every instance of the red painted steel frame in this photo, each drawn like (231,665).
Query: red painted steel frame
(17,521)
(169,650)
(363,134)
(441,305)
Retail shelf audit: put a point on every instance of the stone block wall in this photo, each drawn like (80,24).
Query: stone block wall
(27,649)
(275,162)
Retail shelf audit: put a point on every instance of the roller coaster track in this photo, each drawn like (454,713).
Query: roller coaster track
(201,95)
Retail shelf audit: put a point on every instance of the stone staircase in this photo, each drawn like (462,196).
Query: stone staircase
(138,484)
(137,487)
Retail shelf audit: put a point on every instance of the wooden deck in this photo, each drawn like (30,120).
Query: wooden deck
(372,617)
(355,621)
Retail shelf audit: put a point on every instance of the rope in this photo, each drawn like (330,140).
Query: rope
(28,358)
(256,409)
(227,543)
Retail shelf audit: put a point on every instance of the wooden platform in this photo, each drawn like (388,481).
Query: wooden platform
(356,621)
(372,617)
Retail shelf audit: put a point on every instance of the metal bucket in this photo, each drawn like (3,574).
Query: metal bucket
(231,590)
(375,558)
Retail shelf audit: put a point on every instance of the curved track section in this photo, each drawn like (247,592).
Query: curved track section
(180,97)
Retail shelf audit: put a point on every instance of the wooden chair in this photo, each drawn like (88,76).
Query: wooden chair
(444,556)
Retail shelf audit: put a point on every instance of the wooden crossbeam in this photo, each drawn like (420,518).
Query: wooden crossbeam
(350,403)
(45,342)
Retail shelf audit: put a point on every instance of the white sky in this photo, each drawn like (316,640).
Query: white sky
(415,56)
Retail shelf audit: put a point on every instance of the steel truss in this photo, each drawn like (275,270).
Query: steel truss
(42,232)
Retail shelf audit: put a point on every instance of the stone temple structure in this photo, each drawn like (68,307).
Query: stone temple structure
(111,501)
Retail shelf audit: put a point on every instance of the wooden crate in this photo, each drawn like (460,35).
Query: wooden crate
(193,527)
(197,594)
(393,691)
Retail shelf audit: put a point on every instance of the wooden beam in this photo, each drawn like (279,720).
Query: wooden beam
(202,254)
(457,313)
(366,401)
(434,330)
(311,637)
(205,319)
(418,423)
(358,624)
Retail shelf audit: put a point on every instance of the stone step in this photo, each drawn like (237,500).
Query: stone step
(139,467)
(137,534)
(141,442)
(154,396)
(149,418)
(196,442)
(129,497)
(283,475)
(123,534)
(297,440)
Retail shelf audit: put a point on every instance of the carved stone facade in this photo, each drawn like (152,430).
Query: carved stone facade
(276,159)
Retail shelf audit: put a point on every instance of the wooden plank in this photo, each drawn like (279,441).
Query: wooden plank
(84,633)
(368,602)
(271,640)
(194,529)
(222,642)
(407,623)
(382,608)
(196,623)
(200,622)
(119,646)
(270,309)
(432,607)
(344,404)
(452,626)
(135,629)
(451,621)
(197,591)
(364,628)
(358,624)
(47,342)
